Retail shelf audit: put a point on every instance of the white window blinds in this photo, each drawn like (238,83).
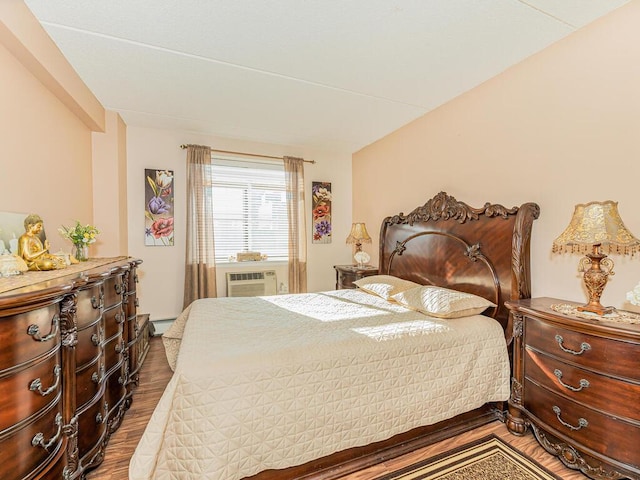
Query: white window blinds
(249,209)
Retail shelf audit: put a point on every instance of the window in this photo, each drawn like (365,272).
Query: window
(249,209)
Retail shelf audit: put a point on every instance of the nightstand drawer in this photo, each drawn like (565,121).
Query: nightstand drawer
(347,274)
(583,386)
(604,355)
(594,430)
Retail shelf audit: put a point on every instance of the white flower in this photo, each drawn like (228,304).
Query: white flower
(163,178)
(634,295)
(323,194)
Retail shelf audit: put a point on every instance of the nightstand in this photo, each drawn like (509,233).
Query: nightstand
(576,383)
(347,274)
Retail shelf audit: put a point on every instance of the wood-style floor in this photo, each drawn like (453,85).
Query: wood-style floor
(156,373)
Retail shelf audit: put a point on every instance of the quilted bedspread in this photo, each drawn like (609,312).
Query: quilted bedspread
(271,382)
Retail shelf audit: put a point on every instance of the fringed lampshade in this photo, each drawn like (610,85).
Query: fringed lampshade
(358,235)
(596,227)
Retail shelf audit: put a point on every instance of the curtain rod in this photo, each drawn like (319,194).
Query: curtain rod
(249,154)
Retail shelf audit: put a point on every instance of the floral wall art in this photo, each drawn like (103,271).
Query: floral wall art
(321,212)
(158,224)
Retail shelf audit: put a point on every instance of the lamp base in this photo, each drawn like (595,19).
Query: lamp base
(361,258)
(597,268)
(598,309)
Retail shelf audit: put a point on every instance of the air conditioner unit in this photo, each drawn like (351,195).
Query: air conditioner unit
(251,284)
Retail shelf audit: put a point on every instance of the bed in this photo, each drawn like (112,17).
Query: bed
(322,384)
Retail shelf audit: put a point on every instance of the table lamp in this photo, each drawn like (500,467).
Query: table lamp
(357,236)
(596,227)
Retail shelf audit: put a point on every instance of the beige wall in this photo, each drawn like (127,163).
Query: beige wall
(162,273)
(560,128)
(46,121)
(110,188)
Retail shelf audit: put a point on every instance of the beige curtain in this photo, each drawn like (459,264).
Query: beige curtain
(200,266)
(294,174)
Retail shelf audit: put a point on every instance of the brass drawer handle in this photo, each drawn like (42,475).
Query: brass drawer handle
(36,385)
(99,416)
(119,317)
(582,422)
(98,303)
(98,377)
(96,338)
(34,330)
(39,441)
(584,346)
(119,288)
(584,383)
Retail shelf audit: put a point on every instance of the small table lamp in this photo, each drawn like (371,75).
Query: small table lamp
(596,227)
(357,235)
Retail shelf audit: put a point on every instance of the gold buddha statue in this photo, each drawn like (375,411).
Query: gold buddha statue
(33,251)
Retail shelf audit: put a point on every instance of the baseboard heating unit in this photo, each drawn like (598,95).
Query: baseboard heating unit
(251,284)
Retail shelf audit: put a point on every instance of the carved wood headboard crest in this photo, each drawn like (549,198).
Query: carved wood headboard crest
(441,242)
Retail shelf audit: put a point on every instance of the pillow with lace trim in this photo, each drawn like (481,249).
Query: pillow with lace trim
(442,302)
(384,285)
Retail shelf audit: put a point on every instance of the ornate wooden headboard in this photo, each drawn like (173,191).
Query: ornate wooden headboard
(484,251)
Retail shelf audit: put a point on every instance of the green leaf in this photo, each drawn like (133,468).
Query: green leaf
(154,187)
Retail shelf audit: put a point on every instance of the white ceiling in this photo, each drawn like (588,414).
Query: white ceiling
(329,74)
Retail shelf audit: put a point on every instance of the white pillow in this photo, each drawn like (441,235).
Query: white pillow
(384,285)
(442,302)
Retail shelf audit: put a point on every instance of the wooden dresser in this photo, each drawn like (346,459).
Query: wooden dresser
(71,344)
(576,383)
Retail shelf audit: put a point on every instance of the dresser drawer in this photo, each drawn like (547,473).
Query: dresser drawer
(615,357)
(22,453)
(89,380)
(113,290)
(594,430)
(114,320)
(130,305)
(26,391)
(113,352)
(132,284)
(91,427)
(89,344)
(115,387)
(29,334)
(89,306)
(584,386)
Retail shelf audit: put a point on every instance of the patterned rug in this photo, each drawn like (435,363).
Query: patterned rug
(486,459)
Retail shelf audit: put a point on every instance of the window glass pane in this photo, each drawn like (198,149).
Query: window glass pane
(250,211)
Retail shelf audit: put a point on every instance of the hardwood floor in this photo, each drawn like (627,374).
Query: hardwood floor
(156,373)
(154,376)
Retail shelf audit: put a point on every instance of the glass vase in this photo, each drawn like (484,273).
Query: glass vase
(81,252)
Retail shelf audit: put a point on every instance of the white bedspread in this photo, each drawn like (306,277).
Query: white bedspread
(271,382)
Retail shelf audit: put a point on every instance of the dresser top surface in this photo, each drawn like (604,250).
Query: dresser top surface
(55,282)
(551,309)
